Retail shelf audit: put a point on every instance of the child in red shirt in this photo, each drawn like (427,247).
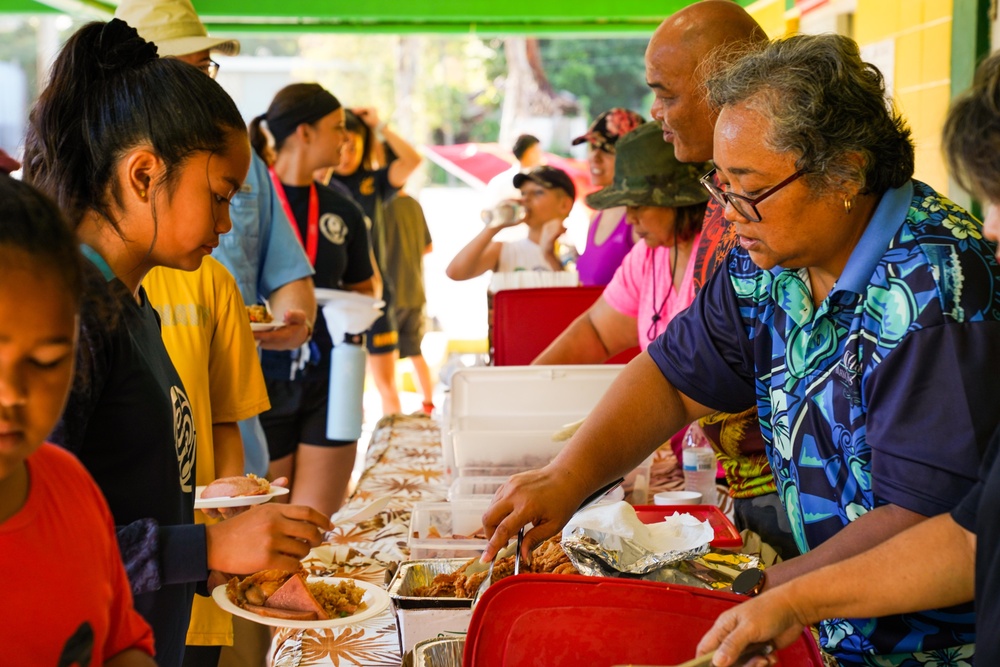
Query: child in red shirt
(68,599)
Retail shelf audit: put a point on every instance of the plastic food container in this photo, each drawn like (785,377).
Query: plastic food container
(523,398)
(503,451)
(475,487)
(446,530)
(567,620)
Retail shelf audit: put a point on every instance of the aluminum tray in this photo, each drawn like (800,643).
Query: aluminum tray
(440,652)
(413,574)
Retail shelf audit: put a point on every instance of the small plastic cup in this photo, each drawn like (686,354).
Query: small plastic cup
(677,498)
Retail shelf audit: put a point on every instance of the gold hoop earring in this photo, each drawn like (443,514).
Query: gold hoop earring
(848,204)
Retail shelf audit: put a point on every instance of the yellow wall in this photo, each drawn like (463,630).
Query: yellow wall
(921,30)
(771,16)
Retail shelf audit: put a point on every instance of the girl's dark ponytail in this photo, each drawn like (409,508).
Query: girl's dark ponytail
(108,92)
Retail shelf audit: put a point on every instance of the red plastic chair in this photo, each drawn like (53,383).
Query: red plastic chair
(525,321)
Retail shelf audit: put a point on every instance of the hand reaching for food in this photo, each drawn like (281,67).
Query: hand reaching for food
(265,537)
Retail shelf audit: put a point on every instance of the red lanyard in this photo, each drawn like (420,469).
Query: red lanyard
(312,224)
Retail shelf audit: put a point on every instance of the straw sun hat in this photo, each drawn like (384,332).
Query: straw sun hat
(173,26)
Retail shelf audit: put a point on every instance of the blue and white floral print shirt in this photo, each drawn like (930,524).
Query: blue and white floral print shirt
(883,394)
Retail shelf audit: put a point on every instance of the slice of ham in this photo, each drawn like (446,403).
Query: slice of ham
(230,487)
(287,614)
(294,595)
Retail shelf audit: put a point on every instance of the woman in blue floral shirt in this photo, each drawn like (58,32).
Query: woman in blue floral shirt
(857,314)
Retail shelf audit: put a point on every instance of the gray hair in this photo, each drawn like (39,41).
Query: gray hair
(972,133)
(825,105)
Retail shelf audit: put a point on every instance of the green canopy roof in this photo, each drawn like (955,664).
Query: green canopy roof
(401,16)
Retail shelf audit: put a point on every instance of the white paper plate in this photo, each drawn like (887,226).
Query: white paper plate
(234,501)
(266,326)
(376,599)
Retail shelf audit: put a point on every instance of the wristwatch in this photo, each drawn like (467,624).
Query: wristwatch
(749,582)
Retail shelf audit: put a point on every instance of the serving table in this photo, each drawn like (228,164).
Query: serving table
(404,461)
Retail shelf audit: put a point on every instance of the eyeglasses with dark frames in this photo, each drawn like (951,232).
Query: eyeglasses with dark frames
(745,206)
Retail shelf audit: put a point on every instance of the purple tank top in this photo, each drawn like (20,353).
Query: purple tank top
(598,263)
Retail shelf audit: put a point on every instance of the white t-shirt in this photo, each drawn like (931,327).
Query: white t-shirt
(522,255)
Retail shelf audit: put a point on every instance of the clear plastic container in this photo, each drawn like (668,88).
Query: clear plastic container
(636,483)
(504,450)
(447,530)
(475,488)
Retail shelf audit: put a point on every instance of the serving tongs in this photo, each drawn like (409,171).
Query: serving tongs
(515,545)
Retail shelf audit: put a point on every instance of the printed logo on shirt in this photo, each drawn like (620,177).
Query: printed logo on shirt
(333,228)
(185,437)
(184,315)
(78,648)
(367,187)
(848,371)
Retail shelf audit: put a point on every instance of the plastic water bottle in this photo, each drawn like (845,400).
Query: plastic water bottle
(347,386)
(505,213)
(699,468)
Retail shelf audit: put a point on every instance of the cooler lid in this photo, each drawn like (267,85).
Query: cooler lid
(570,620)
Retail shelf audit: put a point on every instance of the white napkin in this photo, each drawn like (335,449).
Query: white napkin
(350,313)
(618,521)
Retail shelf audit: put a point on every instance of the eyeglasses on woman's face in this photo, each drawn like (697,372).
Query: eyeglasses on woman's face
(745,206)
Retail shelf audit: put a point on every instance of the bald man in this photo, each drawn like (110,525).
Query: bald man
(675,73)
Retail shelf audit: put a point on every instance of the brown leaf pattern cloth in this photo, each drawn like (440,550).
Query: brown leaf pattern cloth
(404,460)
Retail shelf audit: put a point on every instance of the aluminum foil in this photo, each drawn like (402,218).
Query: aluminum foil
(701,567)
(586,550)
(714,570)
(413,574)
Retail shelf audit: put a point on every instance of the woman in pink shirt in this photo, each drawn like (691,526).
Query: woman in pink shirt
(665,204)
(609,238)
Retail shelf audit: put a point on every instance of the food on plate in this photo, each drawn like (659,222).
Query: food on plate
(259,314)
(547,558)
(289,595)
(234,487)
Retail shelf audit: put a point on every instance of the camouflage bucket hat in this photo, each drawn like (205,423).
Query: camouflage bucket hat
(648,174)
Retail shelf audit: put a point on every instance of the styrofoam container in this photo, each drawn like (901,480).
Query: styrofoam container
(455,525)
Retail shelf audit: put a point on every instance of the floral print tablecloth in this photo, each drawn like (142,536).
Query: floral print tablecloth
(404,461)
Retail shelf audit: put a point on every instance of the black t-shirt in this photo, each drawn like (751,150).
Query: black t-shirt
(372,190)
(341,258)
(128,420)
(978,514)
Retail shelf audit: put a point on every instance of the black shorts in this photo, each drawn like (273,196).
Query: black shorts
(382,338)
(297,415)
(410,324)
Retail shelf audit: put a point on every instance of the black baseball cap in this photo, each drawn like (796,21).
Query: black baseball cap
(549,178)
